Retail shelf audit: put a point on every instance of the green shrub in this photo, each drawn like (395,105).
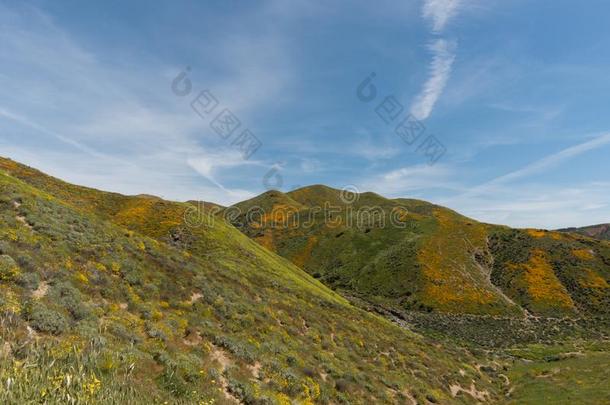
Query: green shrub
(9,270)
(121,332)
(47,320)
(71,299)
(29,281)
(238,349)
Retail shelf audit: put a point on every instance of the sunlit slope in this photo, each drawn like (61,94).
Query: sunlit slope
(552,273)
(426,257)
(92,309)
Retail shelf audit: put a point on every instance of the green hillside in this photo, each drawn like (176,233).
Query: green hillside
(106,298)
(429,259)
(112,299)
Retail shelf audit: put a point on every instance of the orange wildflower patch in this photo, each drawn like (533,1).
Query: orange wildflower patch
(452,277)
(450,293)
(583,254)
(543,286)
(537,233)
(266,240)
(281,215)
(303,256)
(590,279)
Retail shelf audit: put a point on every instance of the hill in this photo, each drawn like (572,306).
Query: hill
(601,231)
(106,298)
(410,255)
(114,299)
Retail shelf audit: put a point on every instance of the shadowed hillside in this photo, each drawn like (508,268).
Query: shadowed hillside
(601,231)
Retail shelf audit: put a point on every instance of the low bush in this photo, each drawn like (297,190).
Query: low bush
(47,320)
(9,270)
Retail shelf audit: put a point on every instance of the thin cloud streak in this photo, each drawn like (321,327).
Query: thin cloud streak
(439,12)
(440,70)
(540,165)
(33,125)
(505,200)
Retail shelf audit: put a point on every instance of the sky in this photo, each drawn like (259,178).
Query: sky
(497,109)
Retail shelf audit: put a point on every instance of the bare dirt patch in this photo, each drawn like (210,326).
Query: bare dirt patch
(195,297)
(472,391)
(221,358)
(255,369)
(41,291)
(24,221)
(192,339)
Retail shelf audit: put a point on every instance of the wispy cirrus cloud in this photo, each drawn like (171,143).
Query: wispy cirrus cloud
(410,179)
(443,56)
(537,205)
(439,12)
(59,89)
(511,199)
(542,164)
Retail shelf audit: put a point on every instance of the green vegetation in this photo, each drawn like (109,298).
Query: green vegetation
(102,303)
(106,298)
(570,374)
(432,259)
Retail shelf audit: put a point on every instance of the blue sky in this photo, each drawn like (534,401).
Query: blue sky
(515,91)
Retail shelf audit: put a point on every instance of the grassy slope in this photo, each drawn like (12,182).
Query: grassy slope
(575,373)
(437,260)
(111,298)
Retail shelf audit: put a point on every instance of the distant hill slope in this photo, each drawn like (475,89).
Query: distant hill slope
(412,255)
(601,231)
(114,299)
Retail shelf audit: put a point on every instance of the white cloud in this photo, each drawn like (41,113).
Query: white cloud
(439,12)
(57,91)
(443,55)
(309,165)
(509,199)
(208,164)
(538,205)
(404,181)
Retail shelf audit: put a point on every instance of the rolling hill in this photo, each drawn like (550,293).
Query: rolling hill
(106,298)
(410,255)
(113,299)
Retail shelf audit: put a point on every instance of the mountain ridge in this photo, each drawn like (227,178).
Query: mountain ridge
(600,231)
